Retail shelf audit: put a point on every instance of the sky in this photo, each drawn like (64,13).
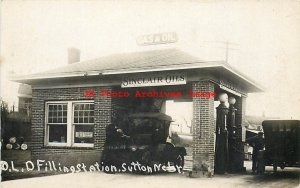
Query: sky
(263,37)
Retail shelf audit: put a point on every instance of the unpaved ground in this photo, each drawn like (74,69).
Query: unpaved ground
(283,179)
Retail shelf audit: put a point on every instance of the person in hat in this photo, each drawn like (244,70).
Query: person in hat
(257,142)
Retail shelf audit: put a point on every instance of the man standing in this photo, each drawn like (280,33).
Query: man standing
(257,142)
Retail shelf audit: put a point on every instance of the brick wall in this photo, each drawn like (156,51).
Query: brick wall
(64,155)
(204,126)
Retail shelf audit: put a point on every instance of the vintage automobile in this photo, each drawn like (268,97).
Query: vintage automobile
(282,143)
(142,139)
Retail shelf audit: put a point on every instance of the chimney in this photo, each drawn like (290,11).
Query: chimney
(73,55)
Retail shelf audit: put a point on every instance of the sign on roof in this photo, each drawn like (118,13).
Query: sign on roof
(154,80)
(159,38)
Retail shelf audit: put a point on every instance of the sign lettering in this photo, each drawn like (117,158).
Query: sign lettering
(159,38)
(154,80)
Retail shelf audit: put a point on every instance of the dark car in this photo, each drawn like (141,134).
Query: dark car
(282,143)
(141,141)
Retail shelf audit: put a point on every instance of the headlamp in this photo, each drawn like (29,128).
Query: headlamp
(133,148)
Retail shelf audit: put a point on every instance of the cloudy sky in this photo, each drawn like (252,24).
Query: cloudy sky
(263,36)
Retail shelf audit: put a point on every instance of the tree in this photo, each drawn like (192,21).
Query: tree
(3,116)
(4,112)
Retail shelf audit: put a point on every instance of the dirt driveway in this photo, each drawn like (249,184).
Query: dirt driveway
(287,178)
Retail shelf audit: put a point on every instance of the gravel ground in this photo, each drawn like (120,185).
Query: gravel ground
(289,177)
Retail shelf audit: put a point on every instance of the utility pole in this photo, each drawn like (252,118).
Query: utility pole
(224,45)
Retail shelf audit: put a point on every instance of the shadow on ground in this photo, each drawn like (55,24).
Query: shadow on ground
(291,175)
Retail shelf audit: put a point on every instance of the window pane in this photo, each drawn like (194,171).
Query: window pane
(54,117)
(64,117)
(58,133)
(83,113)
(57,113)
(84,134)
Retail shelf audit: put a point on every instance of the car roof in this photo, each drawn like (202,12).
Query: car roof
(155,115)
(281,123)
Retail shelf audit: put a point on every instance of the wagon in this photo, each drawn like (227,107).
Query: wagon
(282,143)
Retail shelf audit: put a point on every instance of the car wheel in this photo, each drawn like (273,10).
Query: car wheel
(179,163)
(106,164)
(282,166)
(275,167)
(146,160)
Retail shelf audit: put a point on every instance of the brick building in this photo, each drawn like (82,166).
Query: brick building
(69,114)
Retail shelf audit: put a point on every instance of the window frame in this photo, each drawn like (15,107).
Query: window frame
(74,124)
(70,124)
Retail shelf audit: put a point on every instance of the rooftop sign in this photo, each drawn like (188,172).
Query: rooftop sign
(159,38)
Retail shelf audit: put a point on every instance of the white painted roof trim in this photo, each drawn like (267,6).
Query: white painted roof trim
(137,70)
(243,77)
(110,72)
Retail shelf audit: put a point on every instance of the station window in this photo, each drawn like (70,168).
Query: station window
(83,121)
(70,123)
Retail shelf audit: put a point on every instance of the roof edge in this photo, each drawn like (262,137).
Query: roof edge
(194,65)
(243,76)
(112,72)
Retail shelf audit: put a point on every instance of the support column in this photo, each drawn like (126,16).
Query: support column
(203,128)
(103,117)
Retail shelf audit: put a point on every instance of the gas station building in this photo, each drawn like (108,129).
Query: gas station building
(70,112)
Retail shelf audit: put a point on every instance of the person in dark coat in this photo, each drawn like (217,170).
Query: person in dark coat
(257,142)
(114,134)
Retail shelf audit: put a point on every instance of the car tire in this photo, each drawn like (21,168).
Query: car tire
(179,163)
(146,160)
(275,167)
(105,163)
